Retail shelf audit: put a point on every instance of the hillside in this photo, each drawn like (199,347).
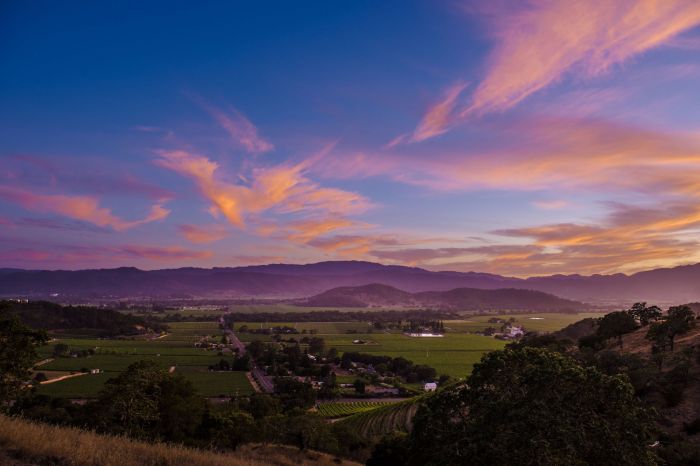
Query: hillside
(377,295)
(24,443)
(373,295)
(297,281)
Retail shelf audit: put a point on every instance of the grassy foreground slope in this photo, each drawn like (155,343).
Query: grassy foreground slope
(27,443)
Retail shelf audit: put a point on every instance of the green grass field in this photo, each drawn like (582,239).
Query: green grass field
(114,356)
(454,354)
(218,383)
(532,322)
(84,386)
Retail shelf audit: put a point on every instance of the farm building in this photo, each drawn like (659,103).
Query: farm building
(430,387)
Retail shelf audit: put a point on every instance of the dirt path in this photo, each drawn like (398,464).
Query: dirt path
(253,382)
(45,361)
(63,377)
(172,369)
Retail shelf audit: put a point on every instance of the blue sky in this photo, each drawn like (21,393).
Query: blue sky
(517,138)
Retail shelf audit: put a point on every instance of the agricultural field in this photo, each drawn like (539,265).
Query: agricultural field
(83,386)
(342,409)
(213,384)
(542,322)
(261,308)
(453,354)
(384,419)
(175,350)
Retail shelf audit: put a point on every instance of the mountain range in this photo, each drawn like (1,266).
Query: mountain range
(664,285)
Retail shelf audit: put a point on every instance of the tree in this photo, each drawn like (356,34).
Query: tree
(231,428)
(616,324)
(60,350)
(317,345)
(680,320)
(392,450)
(542,406)
(145,401)
(645,314)
(18,345)
(294,394)
(660,336)
(359,385)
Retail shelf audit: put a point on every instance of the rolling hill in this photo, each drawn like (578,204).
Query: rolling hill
(378,295)
(669,285)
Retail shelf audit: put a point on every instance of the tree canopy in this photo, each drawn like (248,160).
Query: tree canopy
(18,354)
(533,407)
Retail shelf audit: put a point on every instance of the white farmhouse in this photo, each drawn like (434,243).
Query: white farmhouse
(430,387)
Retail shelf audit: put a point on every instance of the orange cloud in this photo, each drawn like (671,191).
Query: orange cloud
(305,230)
(85,208)
(437,120)
(202,234)
(546,153)
(282,189)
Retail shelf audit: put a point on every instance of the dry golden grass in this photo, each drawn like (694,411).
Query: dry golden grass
(36,443)
(637,343)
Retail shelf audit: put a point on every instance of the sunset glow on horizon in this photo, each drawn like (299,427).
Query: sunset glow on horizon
(523,138)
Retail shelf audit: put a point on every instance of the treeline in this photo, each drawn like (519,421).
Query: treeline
(384,365)
(51,316)
(338,316)
(148,403)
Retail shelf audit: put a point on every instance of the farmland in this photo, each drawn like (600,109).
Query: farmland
(175,352)
(341,409)
(387,418)
(454,354)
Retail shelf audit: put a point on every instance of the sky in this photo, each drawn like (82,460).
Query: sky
(521,138)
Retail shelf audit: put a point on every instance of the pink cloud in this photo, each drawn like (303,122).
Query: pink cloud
(537,42)
(202,234)
(551,204)
(540,41)
(437,120)
(240,128)
(85,208)
(72,256)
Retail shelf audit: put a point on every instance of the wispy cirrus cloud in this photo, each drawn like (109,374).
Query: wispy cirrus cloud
(541,153)
(237,125)
(203,233)
(72,256)
(84,208)
(551,204)
(437,120)
(539,42)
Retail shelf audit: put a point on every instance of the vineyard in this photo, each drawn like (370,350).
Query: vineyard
(384,419)
(336,410)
